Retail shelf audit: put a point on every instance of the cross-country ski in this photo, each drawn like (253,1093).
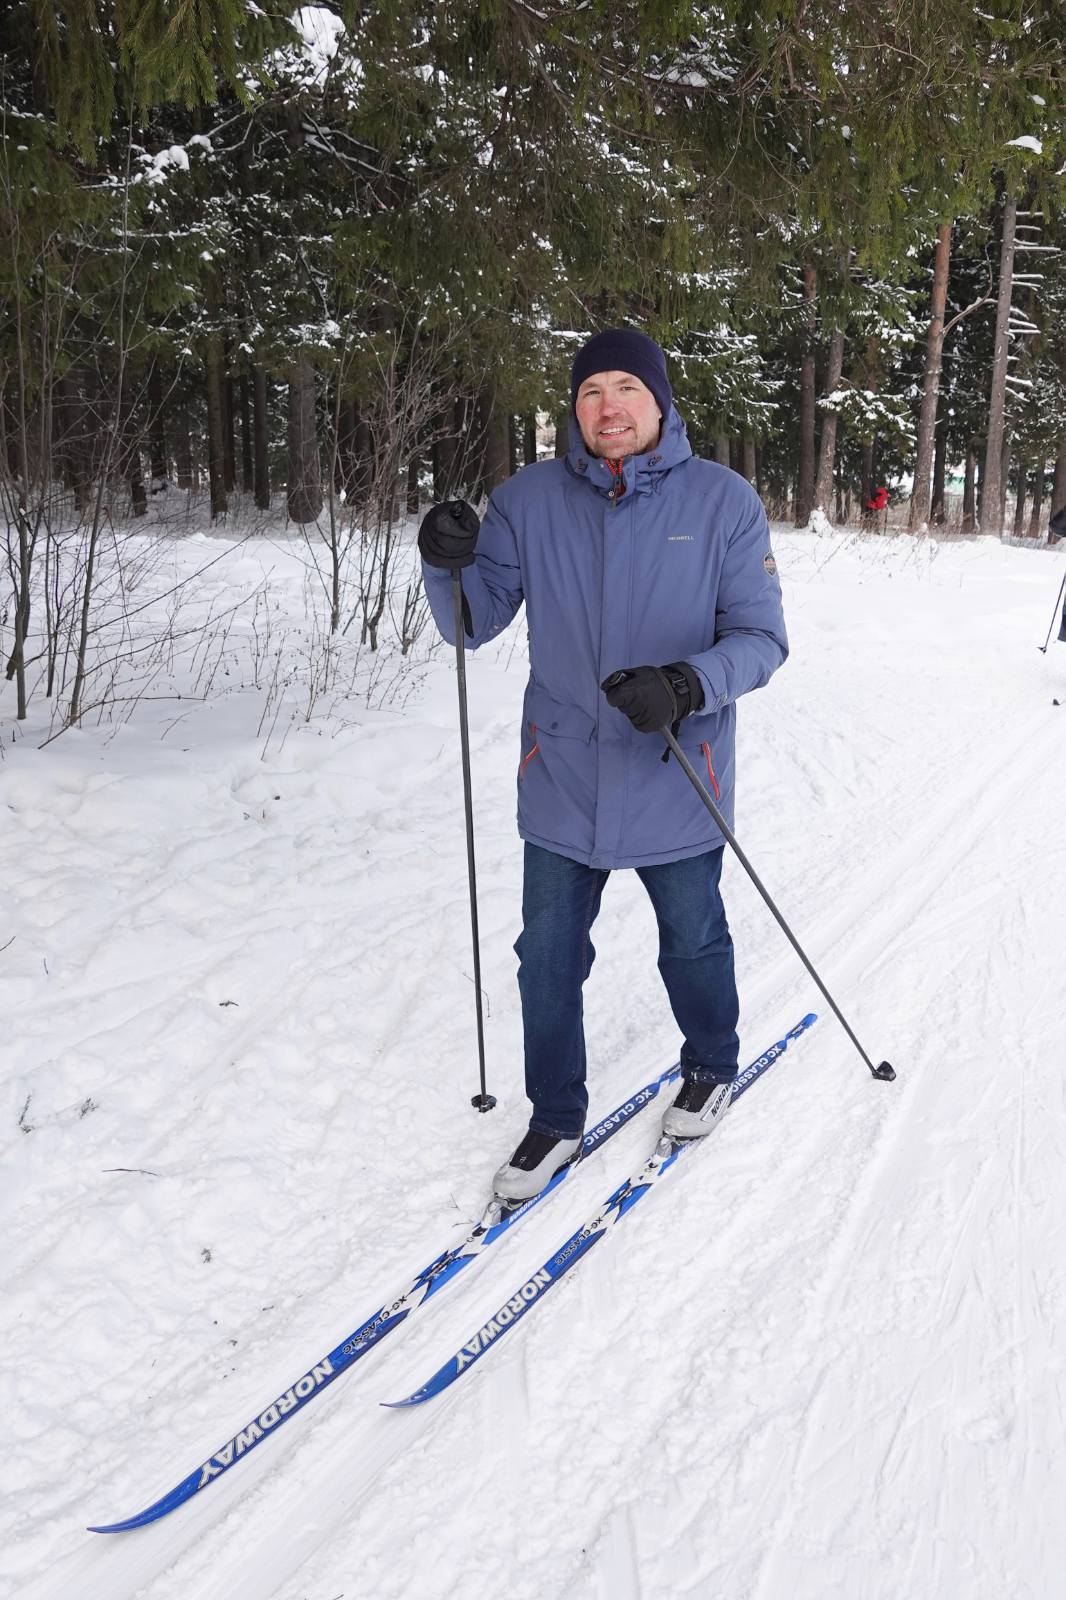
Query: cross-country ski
(619,1203)
(442,1270)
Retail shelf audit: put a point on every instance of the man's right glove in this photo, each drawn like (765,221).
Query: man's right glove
(448,535)
(655,697)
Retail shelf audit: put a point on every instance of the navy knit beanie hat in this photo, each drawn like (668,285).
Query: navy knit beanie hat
(623,350)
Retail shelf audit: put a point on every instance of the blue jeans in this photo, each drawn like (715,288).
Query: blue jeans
(560,899)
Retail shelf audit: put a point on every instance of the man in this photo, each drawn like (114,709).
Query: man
(628,551)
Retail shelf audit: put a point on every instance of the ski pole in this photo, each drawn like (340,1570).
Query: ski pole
(482,1101)
(886,1072)
(1058,601)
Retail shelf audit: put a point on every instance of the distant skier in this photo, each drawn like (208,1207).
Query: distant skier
(1057,526)
(628,550)
(876,506)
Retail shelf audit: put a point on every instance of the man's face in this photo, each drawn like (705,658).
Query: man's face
(618,416)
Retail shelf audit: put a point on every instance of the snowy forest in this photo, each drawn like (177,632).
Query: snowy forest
(279,285)
(335,261)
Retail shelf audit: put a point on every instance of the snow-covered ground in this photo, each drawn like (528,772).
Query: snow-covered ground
(824,1361)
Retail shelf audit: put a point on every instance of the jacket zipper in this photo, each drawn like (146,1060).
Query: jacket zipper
(710,772)
(532,753)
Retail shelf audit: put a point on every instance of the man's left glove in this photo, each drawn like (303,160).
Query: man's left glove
(655,697)
(448,535)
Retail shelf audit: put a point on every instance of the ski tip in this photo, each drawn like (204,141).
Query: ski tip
(117,1527)
(398,1405)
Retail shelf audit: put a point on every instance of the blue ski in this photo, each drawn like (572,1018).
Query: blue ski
(580,1243)
(440,1271)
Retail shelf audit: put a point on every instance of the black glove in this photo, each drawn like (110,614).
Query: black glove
(448,535)
(655,697)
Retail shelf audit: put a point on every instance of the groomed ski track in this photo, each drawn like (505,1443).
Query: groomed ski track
(821,1364)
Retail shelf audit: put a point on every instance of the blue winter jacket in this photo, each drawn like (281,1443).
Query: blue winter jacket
(677,568)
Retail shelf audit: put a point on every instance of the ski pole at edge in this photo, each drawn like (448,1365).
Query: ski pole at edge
(482,1101)
(885,1071)
(1054,615)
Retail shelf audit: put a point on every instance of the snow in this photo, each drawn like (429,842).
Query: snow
(175,158)
(321,31)
(822,1362)
(1027,142)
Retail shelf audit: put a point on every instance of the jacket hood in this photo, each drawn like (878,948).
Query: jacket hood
(643,473)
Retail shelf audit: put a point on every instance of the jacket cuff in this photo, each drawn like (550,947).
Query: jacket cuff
(694,681)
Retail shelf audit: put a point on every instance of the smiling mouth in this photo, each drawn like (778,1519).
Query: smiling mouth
(610,433)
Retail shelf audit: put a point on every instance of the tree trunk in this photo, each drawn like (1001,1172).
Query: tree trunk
(11,428)
(938,510)
(805,485)
(214,378)
(260,439)
(823,483)
(721,449)
(70,449)
(128,464)
(562,431)
(1038,499)
(969,506)
(1019,501)
(304,465)
(934,356)
(1058,487)
(157,436)
(866,472)
(992,477)
(183,449)
(344,466)
(748,458)
(513,445)
(495,430)
(412,486)
(229,446)
(247,452)
(980,469)
(216,470)
(446,454)
(138,493)
(363,480)
(529,440)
